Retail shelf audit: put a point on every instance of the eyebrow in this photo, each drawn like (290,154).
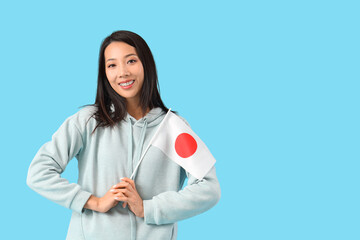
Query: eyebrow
(131,54)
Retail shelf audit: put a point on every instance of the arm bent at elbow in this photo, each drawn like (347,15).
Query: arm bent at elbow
(50,161)
(197,197)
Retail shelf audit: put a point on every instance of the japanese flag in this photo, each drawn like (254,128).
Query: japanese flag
(176,139)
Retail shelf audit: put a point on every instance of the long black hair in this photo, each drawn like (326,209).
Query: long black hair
(106,95)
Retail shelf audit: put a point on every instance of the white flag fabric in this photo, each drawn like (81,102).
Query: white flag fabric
(177,140)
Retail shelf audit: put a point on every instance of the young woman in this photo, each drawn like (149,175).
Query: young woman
(108,138)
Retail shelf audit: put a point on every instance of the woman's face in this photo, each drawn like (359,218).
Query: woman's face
(124,70)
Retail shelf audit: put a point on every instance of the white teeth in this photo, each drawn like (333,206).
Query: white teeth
(127,83)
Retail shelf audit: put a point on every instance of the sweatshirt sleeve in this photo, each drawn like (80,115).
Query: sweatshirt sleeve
(44,174)
(171,206)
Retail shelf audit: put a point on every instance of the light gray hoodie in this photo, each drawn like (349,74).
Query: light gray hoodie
(103,159)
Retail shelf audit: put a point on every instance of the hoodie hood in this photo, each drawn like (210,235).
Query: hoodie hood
(152,117)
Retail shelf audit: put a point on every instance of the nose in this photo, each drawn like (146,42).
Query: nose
(123,71)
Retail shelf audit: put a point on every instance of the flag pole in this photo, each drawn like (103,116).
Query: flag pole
(152,139)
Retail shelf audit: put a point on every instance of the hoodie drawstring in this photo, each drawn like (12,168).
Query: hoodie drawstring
(130,147)
(141,145)
(131,166)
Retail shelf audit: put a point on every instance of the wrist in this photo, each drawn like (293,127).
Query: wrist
(142,213)
(92,203)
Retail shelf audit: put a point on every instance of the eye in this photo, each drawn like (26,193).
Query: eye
(132,61)
(111,65)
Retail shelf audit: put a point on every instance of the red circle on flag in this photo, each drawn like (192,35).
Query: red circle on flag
(185,145)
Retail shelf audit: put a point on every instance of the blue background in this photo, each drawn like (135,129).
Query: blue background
(272,87)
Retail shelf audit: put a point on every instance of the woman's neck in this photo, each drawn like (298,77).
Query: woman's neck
(135,110)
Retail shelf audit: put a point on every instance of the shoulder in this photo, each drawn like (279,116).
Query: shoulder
(84,112)
(84,115)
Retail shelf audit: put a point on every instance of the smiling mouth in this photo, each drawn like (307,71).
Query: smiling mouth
(124,84)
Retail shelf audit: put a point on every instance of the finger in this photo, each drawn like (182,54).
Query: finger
(113,190)
(121,198)
(124,179)
(119,184)
(128,180)
(123,191)
(123,185)
(117,190)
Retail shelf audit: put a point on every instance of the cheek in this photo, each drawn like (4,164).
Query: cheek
(110,76)
(141,72)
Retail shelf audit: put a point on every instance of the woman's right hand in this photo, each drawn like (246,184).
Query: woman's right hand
(102,204)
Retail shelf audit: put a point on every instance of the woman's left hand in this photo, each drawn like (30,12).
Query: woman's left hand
(126,192)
